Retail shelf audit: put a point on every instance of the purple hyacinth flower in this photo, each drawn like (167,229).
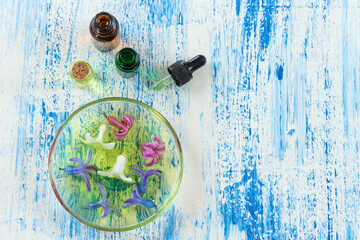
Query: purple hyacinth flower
(138,200)
(104,203)
(83,170)
(144,176)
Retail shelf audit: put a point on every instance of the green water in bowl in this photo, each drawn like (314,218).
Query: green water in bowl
(72,188)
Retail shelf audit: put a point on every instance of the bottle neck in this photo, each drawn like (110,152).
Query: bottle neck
(104,27)
(127,60)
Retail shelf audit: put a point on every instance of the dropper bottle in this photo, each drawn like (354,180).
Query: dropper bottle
(180,72)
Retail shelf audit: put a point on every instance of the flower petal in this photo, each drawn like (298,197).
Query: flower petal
(149,146)
(151,172)
(88,174)
(103,191)
(129,202)
(113,121)
(122,127)
(136,193)
(150,163)
(147,203)
(77,160)
(159,174)
(143,183)
(160,146)
(133,173)
(138,169)
(120,136)
(79,170)
(106,210)
(93,206)
(108,145)
(90,168)
(89,138)
(141,186)
(71,170)
(106,174)
(138,200)
(148,154)
(89,158)
(102,131)
(129,120)
(158,157)
(87,182)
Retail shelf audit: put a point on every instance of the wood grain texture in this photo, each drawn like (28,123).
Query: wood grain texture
(269,127)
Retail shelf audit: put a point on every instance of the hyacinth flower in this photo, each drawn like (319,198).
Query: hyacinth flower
(83,170)
(100,138)
(117,170)
(144,176)
(138,200)
(104,203)
(123,126)
(153,151)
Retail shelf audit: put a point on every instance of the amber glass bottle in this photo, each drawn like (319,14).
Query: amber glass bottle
(104,29)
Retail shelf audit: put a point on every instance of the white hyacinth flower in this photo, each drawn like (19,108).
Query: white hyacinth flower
(100,138)
(118,170)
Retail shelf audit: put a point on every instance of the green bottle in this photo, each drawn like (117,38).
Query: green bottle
(127,62)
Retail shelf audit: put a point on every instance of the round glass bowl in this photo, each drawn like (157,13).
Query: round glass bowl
(71,142)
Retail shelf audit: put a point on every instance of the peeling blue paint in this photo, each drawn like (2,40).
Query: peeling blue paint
(280,72)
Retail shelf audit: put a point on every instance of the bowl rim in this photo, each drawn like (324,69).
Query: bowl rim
(51,153)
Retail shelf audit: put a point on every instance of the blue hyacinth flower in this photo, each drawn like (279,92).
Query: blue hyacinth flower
(138,200)
(83,170)
(144,176)
(104,203)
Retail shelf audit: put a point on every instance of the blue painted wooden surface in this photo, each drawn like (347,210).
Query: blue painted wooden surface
(269,128)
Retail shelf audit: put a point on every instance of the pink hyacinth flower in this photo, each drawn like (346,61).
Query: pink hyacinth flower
(153,151)
(123,126)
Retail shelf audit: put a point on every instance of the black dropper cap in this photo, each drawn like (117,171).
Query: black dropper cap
(182,71)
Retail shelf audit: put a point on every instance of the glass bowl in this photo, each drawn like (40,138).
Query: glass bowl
(70,185)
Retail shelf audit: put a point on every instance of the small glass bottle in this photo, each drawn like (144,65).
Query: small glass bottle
(127,62)
(104,29)
(82,73)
